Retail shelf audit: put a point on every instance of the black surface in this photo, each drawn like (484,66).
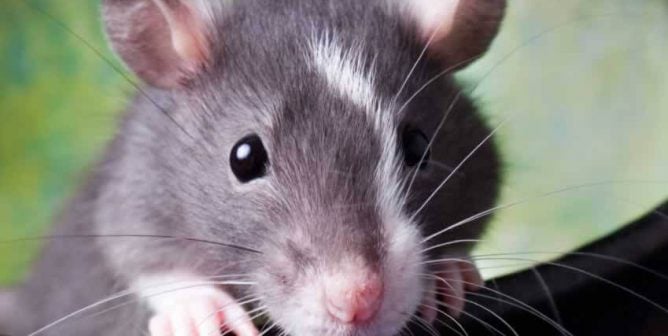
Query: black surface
(587,304)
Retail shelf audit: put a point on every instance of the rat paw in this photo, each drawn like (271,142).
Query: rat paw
(200,311)
(453,278)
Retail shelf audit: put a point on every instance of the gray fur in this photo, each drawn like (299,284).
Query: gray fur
(9,310)
(157,178)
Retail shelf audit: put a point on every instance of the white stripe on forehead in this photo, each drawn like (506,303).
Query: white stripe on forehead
(346,72)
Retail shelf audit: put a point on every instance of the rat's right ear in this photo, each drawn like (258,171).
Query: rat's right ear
(165,42)
(457,31)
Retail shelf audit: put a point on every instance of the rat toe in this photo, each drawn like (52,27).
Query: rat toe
(160,326)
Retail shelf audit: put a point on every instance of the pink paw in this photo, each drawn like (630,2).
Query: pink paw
(199,312)
(452,280)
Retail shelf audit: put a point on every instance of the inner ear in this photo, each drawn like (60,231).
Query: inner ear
(165,42)
(187,31)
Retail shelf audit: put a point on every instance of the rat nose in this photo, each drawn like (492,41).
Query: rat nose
(354,299)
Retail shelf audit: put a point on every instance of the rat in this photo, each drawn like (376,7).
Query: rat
(284,157)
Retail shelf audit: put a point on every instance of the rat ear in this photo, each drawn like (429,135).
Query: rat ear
(459,31)
(165,42)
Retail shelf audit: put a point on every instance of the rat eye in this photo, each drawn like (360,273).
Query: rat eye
(415,146)
(248,159)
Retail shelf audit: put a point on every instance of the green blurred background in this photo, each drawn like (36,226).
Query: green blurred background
(584,84)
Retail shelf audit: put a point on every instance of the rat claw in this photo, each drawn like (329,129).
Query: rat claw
(471,276)
(160,326)
(235,318)
(450,286)
(454,278)
(181,321)
(207,317)
(429,308)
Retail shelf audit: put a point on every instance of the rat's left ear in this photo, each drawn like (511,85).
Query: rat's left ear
(165,42)
(460,31)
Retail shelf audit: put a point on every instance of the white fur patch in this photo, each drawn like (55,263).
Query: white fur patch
(345,72)
(183,302)
(163,291)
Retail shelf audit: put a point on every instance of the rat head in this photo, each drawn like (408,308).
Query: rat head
(306,123)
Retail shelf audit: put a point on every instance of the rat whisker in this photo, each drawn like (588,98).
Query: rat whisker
(594,276)
(432,36)
(224,270)
(129,302)
(404,329)
(242,301)
(509,265)
(251,315)
(139,236)
(439,320)
(445,281)
(583,254)
(514,302)
(550,298)
(94,305)
(512,204)
(475,318)
(407,329)
(409,320)
(426,326)
(526,307)
(443,119)
(265,331)
(555,253)
(126,293)
(442,260)
(443,166)
(453,242)
(461,163)
(542,283)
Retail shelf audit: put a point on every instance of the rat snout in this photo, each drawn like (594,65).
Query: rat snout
(353,298)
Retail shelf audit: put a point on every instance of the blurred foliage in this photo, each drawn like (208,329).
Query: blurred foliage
(58,105)
(582,83)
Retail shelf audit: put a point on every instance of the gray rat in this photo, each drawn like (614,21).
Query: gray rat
(276,161)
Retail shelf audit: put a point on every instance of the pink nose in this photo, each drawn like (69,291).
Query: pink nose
(354,300)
